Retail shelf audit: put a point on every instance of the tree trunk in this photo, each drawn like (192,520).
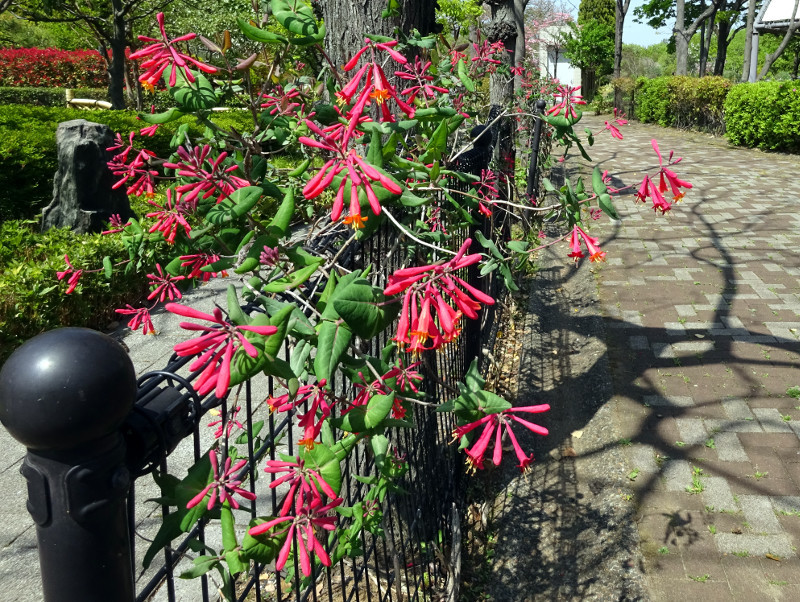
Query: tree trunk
(116,71)
(704,45)
(723,29)
(796,64)
(348,22)
(748,39)
(620,10)
(681,41)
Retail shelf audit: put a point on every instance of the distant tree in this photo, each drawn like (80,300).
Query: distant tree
(620,11)
(591,47)
(770,59)
(458,15)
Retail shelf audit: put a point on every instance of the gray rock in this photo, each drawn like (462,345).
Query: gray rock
(83,199)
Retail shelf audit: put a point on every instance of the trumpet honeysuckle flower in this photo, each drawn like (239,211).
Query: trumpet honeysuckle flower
(215,348)
(225,423)
(306,521)
(306,485)
(138,171)
(427,319)
(164,284)
(170,217)
(197,262)
(417,73)
(162,53)
(281,102)
(209,180)
(357,174)
(139,317)
(493,428)
(318,409)
(224,485)
(668,181)
(569,97)
(579,237)
(74,275)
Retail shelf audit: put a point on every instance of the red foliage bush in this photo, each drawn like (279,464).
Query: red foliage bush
(50,67)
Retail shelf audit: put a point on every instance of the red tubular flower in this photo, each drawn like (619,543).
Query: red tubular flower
(318,411)
(196,262)
(226,423)
(170,217)
(668,180)
(215,178)
(493,424)
(417,73)
(306,485)
(578,237)
(280,102)
(164,285)
(306,521)
(215,348)
(223,484)
(74,275)
(426,314)
(140,317)
(569,98)
(137,170)
(162,54)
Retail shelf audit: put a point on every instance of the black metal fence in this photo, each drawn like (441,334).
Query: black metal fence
(69,480)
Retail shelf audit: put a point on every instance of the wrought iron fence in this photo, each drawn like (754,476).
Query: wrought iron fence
(416,558)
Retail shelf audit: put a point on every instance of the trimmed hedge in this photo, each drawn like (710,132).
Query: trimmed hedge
(683,102)
(52,67)
(32,300)
(28,158)
(765,115)
(56,97)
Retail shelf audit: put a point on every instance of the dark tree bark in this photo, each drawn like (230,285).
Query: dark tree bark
(347,22)
(748,40)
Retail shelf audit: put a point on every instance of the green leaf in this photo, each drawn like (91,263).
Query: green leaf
(607,205)
(375,153)
(297,17)
(362,306)
(464,76)
(235,206)
(262,548)
(202,564)
(474,405)
(436,145)
(473,379)
(259,35)
(194,97)
(228,525)
(235,312)
(292,280)
(518,246)
(380,447)
(159,118)
(598,186)
(362,419)
(108,267)
(334,338)
(325,462)
(285,212)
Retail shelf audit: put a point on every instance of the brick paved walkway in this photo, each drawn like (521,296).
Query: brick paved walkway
(702,311)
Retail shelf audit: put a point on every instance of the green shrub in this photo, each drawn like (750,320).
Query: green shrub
(683,102)
(765,115)
(28,158)
(32,300)
(56,97)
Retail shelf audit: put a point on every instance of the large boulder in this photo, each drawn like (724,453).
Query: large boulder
(83,199)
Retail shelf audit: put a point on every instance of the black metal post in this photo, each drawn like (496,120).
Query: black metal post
(64,395)
(533,169)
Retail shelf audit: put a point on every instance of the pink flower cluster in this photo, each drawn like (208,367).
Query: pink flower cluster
(427,319)
(579,237)
(493,425)
(215,348)
(668,181)
(210,174)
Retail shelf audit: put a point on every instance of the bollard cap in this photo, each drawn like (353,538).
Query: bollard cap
(65,388)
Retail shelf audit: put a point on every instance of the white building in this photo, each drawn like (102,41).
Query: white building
(550,56)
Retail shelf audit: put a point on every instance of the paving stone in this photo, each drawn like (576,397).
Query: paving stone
(678,474)
(718,495)
(673,401)
(737,409)
(729,448)
(754,545)
(692,430)
(758,511)
(771,420)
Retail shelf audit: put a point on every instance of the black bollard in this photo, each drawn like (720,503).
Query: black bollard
(64,395)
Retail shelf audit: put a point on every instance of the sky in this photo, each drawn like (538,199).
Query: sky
(634,33)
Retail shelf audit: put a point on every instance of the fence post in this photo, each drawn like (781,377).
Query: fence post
(64,395)
(533,169)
